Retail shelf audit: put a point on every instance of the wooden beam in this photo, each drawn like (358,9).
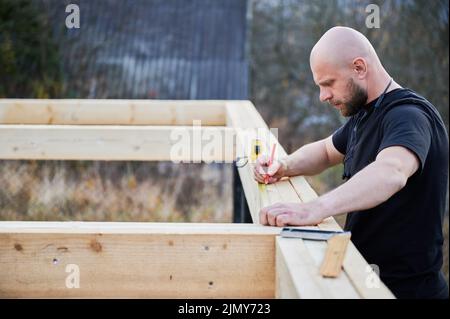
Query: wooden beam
(297,275)
(136,260)
(75,227)
(243,117)
(142,143)
(111,112)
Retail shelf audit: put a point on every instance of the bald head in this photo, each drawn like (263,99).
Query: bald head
(347,70)
(340,46)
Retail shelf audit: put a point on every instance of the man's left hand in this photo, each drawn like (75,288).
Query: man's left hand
(293,214)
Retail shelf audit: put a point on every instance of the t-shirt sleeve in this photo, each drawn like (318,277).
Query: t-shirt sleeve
(341,136)
(408,126)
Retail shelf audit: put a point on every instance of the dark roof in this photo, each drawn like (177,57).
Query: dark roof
(165,49)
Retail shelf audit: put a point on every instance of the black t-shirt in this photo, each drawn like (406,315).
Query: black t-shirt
(402,236)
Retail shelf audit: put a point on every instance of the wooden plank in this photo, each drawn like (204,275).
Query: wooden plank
(244,118)
(303,189)
(116,260)
(146,143)
(75,227)
(334,255)
(285,287)
(297,275)
(235,120)
(111,112)
(339,288)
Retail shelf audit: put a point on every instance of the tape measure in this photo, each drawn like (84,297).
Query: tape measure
(256,151)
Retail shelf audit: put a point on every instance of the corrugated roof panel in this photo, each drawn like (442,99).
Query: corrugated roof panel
(171,49)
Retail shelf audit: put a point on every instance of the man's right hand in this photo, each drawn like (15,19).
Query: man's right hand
(275,171)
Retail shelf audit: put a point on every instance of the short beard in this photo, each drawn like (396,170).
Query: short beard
(357,100)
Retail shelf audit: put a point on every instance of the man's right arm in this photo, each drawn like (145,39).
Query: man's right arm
(313,158)
(310,159)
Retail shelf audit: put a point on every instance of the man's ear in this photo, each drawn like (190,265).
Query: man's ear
(360,68)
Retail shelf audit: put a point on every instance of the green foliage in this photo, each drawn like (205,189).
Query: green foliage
(29,60)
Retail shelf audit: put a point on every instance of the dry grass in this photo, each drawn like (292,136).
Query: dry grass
(115,191)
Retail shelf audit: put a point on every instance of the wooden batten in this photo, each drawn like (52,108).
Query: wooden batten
(141,260)
(111,112)
(134,143)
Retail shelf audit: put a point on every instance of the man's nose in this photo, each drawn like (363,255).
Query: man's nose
(325,95)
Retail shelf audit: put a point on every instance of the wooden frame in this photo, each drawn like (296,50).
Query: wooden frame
(159,260)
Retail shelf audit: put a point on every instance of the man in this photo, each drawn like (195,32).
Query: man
(395,153)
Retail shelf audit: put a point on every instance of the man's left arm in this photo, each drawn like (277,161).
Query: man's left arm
(370,187)
(406,140)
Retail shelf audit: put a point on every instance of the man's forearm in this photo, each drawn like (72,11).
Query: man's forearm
(310,159)
(368,188)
